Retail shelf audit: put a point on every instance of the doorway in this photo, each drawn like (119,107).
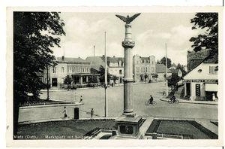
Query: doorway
(54,82)
(188,89)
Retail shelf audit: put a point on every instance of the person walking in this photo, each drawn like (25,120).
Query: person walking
(92,112)
(65,112)
(151,100)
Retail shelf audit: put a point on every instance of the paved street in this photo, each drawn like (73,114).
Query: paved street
(94,98)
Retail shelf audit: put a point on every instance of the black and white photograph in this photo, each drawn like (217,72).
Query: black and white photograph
(115,75)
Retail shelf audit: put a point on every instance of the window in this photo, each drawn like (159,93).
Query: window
(54,70)
(62,69)
(197,88)
(153,69)
(120,71)
(70,69)
(138,69)
(146,69)
(212,70)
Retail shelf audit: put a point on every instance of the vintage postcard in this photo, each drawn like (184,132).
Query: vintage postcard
(131,76)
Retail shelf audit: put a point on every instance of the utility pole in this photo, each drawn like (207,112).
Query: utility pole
(166,72)
(94,51)
(47,84)
(106,102)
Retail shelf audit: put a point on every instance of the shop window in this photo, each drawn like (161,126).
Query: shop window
(212,70)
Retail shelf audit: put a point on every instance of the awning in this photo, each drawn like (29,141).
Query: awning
(211,87)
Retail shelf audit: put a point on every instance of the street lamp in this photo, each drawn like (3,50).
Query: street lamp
(166,72)
(106,102)
(47,84)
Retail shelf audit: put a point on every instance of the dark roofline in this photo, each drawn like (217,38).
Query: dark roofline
(210,54)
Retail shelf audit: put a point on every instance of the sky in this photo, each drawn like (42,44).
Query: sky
(150,31)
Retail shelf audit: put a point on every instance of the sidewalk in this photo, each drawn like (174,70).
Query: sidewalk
(193,102)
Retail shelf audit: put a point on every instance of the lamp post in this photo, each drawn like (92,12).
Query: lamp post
(47,84)
(166,72)
(106,102)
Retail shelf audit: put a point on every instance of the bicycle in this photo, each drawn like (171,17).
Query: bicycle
(175,102)
(147,103)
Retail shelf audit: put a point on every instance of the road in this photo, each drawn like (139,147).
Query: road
(95,98)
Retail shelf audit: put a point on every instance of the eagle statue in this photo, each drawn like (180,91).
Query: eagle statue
(128,19)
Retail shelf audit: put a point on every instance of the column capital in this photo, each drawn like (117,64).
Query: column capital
(127,25)
(128,44)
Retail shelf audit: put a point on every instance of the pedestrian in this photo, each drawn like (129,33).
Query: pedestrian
(151,100)
(81,99)
(65,112)
(173,98)
(92,112)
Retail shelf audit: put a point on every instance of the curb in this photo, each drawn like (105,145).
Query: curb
(51,105)
(193,102)
(67,119)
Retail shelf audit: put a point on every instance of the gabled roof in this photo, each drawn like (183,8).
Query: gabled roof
(96,62)
(201,72)
(161,68)
(212,58)
(72,60)
(174,70)
(95,59)
(115,59)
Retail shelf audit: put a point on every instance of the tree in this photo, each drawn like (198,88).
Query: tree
(181,67)
(102,74)
(208,22)
(34,35)
(114,78)
(173,80)
(146,77)
(68,80)
(163,61)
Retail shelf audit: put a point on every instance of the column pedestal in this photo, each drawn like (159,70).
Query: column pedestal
(128,126)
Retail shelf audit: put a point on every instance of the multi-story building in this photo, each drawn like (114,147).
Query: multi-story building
(78,69)
(144,68)
(202,82)
(116,68)
(161,71)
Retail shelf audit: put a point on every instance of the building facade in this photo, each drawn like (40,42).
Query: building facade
(116,68)
(144,68)
(161,71)
(76,68)
(202,82)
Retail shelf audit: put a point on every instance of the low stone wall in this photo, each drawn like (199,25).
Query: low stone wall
(50,112)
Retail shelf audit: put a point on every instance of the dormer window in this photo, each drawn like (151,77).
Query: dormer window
(200,70)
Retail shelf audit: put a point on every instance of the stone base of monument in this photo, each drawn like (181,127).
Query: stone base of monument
(128,126)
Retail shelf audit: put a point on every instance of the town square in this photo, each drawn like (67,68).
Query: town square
(116,76)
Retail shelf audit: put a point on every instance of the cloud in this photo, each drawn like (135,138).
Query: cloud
(181,35)
(150,34)
(115,49)
(84,31)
